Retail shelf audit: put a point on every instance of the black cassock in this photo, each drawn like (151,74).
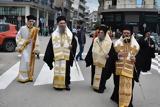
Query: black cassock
(145,55)
(49,58)
(106,72)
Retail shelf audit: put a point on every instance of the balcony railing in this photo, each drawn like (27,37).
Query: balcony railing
(82,4)
(123,6)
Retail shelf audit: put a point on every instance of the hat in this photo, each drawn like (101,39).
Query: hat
(31,17)
(103,28)
(60,18)
(127,27)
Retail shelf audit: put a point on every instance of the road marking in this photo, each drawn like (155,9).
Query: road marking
(155,61)
(155,67)
(146,73)
(76,73)
(10,75)
(41,55)
(46,75)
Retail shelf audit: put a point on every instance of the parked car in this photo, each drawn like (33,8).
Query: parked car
(7,37)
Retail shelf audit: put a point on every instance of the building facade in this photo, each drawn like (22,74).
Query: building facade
(46,11)
(93,17)
(116,13)
(63,7)
(79,7)
(15,11)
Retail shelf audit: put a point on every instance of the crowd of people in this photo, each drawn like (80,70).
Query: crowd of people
(124,59)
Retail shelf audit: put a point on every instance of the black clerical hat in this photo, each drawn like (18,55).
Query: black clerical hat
(31,17)
(60,18)
(127,27)
(104,28)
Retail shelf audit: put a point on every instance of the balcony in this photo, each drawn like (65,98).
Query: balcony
(24,3)
(127,7)
(81,11)
(82,4)
(62,4)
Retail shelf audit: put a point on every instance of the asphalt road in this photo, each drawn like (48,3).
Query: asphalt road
(41,94)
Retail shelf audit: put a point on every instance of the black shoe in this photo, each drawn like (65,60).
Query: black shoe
(68,88)
(58,89)
(99,91)
(130,105)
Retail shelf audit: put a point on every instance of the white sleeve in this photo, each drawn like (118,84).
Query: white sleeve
(19,38)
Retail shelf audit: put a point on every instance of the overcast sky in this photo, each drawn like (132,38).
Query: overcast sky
(93,5)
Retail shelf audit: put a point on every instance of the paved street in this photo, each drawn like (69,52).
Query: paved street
(41,94)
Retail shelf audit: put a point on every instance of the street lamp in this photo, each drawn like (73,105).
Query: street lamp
(101,18)
(144,26)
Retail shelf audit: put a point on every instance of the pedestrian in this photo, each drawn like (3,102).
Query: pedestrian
(146,53)
(27,45)
(46,30)
(100,57)
(81,40)
(61,50)
(126,48)
(118,33)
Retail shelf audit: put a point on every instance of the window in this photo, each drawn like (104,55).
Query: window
(118,17)
(12,11)
(151,18)
(109,18)
(4,27)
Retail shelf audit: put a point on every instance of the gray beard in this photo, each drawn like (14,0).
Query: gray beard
(61,30)
(101,38)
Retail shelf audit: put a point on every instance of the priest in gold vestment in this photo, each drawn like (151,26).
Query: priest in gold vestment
(125,73)
(61,50)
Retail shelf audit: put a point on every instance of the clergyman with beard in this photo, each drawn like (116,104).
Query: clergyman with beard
(61,50)
(126,48)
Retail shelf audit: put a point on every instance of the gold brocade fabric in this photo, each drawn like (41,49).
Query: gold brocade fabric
(125,69)
(59,74)
(125,91)
(124,66)
(100,51)
(61,45)
(33,32)
(97,77)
